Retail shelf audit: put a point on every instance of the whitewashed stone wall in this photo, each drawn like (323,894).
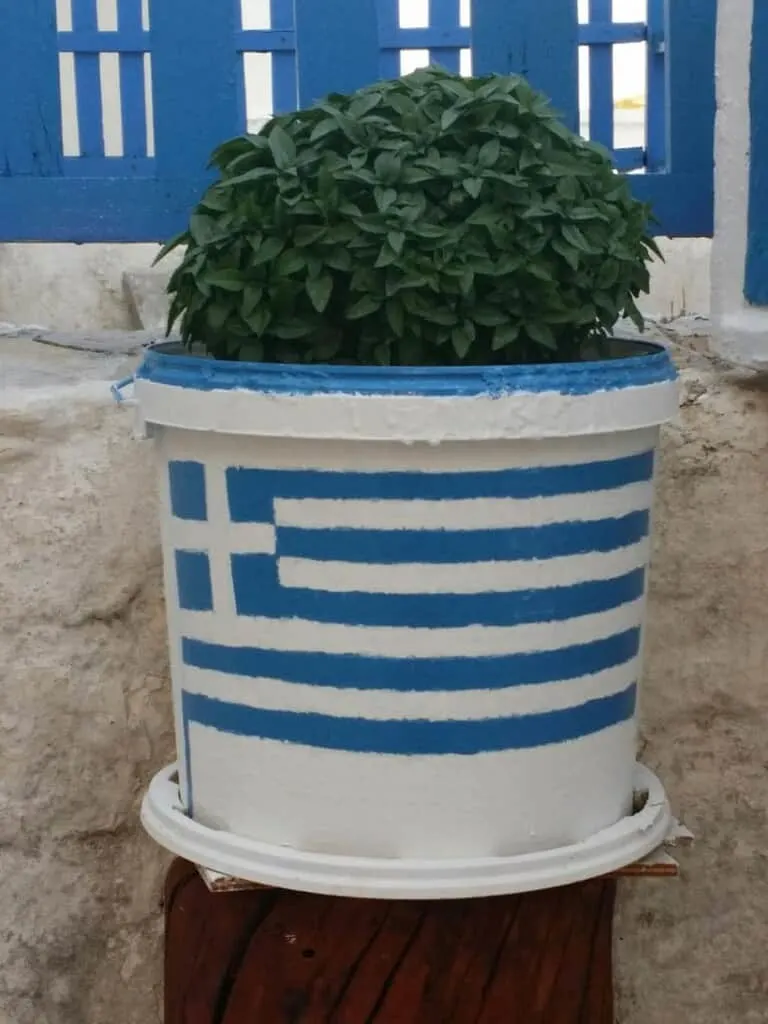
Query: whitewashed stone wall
(84,705)
(85,720)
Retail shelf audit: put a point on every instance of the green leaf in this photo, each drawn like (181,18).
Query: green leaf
(574,237)
(306,234)
(257,174)
(258,321)
(229,280)
(505,334)
(395,316)
(438,315)
(291,330)
(319,290)
(364,306)
(217,315)
(489,153)
(634,314)
(181,239)
(387,167)
(202,227)
(461,339)
(397,240)
(649,243)
(323,128)
(364,104)
(607,274)
(427,220)
(266,251)
(384,198)
(216,199)
(542,334)
(290,261)
(339,259)
(252,296)
(387,256)
(569,254)
(283,148)
(486,316)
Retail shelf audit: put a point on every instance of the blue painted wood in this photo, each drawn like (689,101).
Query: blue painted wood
(535,38)
(88,84)
(601,79)
(338,53)
(691,83)
(130,40)
(444,18)
(683,203)
(600,30)
(271,40)
(389,34)
(147,210)
(108,167)
(284,75)
(199,101)
(425,38)
(629,158)
(460,37)
(197,74)
(30,118)
(690,43)
(132,95)
(756,276)
(656,78)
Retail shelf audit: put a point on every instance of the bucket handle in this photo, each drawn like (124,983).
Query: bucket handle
(119,387)
(140,430)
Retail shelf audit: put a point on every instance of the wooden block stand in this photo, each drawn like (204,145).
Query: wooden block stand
(266,956)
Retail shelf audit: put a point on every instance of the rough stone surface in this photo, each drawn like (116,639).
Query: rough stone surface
(147,297)
(693,949)
(84,701)
(85,717)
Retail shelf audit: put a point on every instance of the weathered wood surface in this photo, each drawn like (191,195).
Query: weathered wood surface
(274,957)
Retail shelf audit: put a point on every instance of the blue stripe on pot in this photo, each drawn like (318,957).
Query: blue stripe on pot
(522,543)
(259,593)
(252,492)
(368,672)
(163,365)
(410,737)
(186,481)
(193,581)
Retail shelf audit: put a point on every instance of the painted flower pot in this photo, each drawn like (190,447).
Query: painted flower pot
(405,611)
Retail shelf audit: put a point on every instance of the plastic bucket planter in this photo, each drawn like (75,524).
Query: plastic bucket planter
(405,611)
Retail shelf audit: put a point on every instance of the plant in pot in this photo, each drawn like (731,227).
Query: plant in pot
(406,476)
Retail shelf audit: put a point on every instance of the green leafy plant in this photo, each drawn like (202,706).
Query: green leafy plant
(429,220)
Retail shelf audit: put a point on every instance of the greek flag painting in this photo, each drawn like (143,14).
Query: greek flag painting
(422,616)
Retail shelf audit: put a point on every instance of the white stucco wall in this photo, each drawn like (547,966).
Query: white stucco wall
(740,330)
(79,287)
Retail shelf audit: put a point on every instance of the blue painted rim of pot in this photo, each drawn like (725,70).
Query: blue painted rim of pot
(169,364)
